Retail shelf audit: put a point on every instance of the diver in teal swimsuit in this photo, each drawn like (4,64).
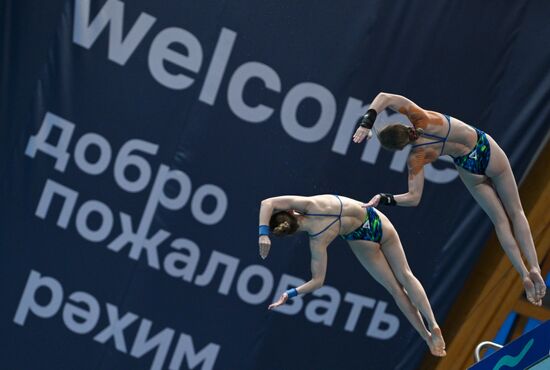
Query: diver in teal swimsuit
(373,240)
(482,165)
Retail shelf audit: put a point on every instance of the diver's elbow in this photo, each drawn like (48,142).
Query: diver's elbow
(318,283)
(414,199)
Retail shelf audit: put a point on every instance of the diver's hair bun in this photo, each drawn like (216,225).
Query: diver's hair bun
(282,227)
(283,223)
(414,133)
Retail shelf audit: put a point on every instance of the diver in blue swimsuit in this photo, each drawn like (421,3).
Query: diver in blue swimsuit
(482,165)
(373,240)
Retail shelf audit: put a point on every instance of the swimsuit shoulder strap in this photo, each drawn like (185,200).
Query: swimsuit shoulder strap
(341,210)
(341,205)
(321,214)
(439,139)
(338,218)
(448,132)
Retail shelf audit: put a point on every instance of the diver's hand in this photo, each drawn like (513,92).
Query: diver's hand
(361,133)
(281,301)
(373,202)
(265,244)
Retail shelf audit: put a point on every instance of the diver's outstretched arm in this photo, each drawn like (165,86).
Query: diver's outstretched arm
(408,199)
(318,271)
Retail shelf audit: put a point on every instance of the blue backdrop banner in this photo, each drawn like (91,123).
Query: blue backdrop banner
(138,139)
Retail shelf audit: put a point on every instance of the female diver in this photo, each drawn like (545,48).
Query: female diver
(373,240)
(481,164)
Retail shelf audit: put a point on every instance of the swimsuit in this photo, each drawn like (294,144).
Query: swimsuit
(476,161)
(370,230)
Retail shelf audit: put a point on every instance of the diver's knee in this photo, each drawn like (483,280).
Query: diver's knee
(395,290)
(406,278)
(517,216)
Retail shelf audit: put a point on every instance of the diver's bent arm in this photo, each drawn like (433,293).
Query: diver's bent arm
(285,202)
(318,268)
(416,187)
(395,102)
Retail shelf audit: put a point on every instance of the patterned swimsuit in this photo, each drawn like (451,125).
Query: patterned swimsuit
(478,159)
(370,230)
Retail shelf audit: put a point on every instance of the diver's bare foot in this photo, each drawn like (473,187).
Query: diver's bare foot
(437,343)
(530,291)
(540,285)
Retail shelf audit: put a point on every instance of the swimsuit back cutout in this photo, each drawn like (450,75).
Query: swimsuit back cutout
(338,218)
(438,139)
